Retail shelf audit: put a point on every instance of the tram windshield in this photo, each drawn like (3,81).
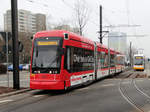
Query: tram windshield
(138,60)
(46,53)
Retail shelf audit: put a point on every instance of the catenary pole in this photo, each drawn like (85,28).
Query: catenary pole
(14,19)
(130,54)
(101,31)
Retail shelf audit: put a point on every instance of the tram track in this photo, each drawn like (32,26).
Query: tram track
(133,94)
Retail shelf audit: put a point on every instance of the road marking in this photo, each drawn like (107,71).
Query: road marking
(106,85)
(127,82)
(36,96)
(139,80)
(4,101)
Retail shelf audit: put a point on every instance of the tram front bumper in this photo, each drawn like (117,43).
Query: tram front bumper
(47,85)
(138,68)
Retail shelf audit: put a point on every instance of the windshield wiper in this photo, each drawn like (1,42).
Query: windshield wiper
(37,53)
(36,67)
(54,60)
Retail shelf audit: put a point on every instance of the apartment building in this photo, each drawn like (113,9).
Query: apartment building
(27,21)
(118,41)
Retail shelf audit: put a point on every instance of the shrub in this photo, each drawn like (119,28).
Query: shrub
(3,69)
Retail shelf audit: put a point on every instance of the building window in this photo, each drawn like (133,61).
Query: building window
(21,19)
(21,12)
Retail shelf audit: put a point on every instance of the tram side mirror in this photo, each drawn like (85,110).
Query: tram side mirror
(31,37)
(66,36)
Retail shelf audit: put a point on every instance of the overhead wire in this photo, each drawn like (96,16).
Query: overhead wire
(92,21)
(137,42)
(128,20)
(49,11)
(70,6)
(46,6)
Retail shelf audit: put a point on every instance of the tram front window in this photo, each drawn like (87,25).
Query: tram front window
(46,55)
(138,61)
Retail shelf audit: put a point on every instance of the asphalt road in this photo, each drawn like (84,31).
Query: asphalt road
(114,94)
(102,96)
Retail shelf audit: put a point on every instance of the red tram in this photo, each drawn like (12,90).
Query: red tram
(61,59)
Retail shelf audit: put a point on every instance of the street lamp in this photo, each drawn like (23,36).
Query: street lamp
(14,18)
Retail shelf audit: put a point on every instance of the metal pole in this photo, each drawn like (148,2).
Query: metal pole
(130,54)
(14,18)
(7,57)
(101,37)
(109,55)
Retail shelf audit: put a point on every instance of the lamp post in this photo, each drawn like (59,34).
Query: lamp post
(14,18)
(109,53)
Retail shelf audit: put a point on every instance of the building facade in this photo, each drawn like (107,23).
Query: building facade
(40,22)
(118,41)
(27,21)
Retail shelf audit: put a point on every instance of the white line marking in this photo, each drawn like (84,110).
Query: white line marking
(36,96)
(106,85)
(139,80)
(127,82)
(4,101)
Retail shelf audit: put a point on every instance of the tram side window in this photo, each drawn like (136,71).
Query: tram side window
(104,60)
(99,60)
(78,59)
(120,60)
(67,59)
(112,60)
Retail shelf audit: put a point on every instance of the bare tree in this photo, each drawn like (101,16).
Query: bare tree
(25,38)
(63,24)
(81,14)
(130,53)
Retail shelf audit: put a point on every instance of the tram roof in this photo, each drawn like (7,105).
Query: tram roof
(138,54)
(112,51)
(60,33)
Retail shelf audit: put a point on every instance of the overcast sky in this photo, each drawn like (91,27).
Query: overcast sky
(115,12)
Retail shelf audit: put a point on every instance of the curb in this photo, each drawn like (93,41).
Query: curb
(15,92)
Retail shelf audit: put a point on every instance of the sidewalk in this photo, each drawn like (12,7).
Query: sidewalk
(24,79)
(24,83)
(147,69)
(4,92)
